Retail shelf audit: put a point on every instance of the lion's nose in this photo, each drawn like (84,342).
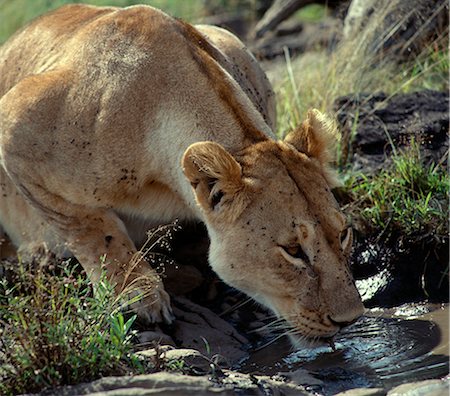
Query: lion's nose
(348,317)
(341,323)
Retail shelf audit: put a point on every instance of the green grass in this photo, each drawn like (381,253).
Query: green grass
(429,71)
(54,332)
(408,197)
(15,13)
(311,13)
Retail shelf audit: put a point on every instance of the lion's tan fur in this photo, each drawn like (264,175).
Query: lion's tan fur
(115,119)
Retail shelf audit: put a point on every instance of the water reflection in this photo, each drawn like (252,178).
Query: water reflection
(380,350)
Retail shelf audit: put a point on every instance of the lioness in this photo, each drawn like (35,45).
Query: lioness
(113,119)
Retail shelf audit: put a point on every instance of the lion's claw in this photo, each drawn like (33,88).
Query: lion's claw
(154,308)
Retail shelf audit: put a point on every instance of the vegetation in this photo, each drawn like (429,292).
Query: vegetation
(311,13)
(54,332)
(408,196)
(317,79)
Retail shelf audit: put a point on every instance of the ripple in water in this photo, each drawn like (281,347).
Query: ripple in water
(374,352)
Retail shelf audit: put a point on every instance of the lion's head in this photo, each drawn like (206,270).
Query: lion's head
(276,231)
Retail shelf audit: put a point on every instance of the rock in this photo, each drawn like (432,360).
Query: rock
(158,337)
(162,383)
(396,269)
(382,120)
(186,361)
(171,384)
(363,392)
(193,359)
(302,377)
(199,328)
(154,352)
(181,279)
(422,388)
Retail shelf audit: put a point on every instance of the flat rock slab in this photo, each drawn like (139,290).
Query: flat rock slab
(171,384)
(363,392)
(199,328)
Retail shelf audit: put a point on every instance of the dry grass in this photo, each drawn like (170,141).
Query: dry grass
(317,79)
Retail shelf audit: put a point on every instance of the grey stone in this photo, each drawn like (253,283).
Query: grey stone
(153,352)
(301,376)
(199,328)
(422,388)
(150,337)
(191,357)
(164,383)
(363,392)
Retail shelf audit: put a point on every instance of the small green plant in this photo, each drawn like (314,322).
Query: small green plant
(408,196)
(54,332)
(177,365)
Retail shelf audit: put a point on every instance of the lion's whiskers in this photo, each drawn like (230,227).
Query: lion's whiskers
(279,323)
(236,306)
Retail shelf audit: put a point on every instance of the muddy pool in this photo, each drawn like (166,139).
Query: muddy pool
(385,348)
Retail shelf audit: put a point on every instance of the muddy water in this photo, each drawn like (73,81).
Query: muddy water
(383,349)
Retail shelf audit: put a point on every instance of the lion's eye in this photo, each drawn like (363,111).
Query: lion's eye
(345,236)
(216,198)
(296,251)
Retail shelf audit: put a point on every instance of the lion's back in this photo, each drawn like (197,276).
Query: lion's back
(72,33)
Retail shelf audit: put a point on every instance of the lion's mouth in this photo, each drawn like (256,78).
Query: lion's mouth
(300,342)
(330,342)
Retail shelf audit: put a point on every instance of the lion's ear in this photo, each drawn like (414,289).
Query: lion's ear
(213,173)
(315,137)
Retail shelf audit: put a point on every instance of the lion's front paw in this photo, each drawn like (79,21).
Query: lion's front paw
(153,306)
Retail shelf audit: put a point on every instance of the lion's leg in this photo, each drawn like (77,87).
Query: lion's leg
(98,239)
